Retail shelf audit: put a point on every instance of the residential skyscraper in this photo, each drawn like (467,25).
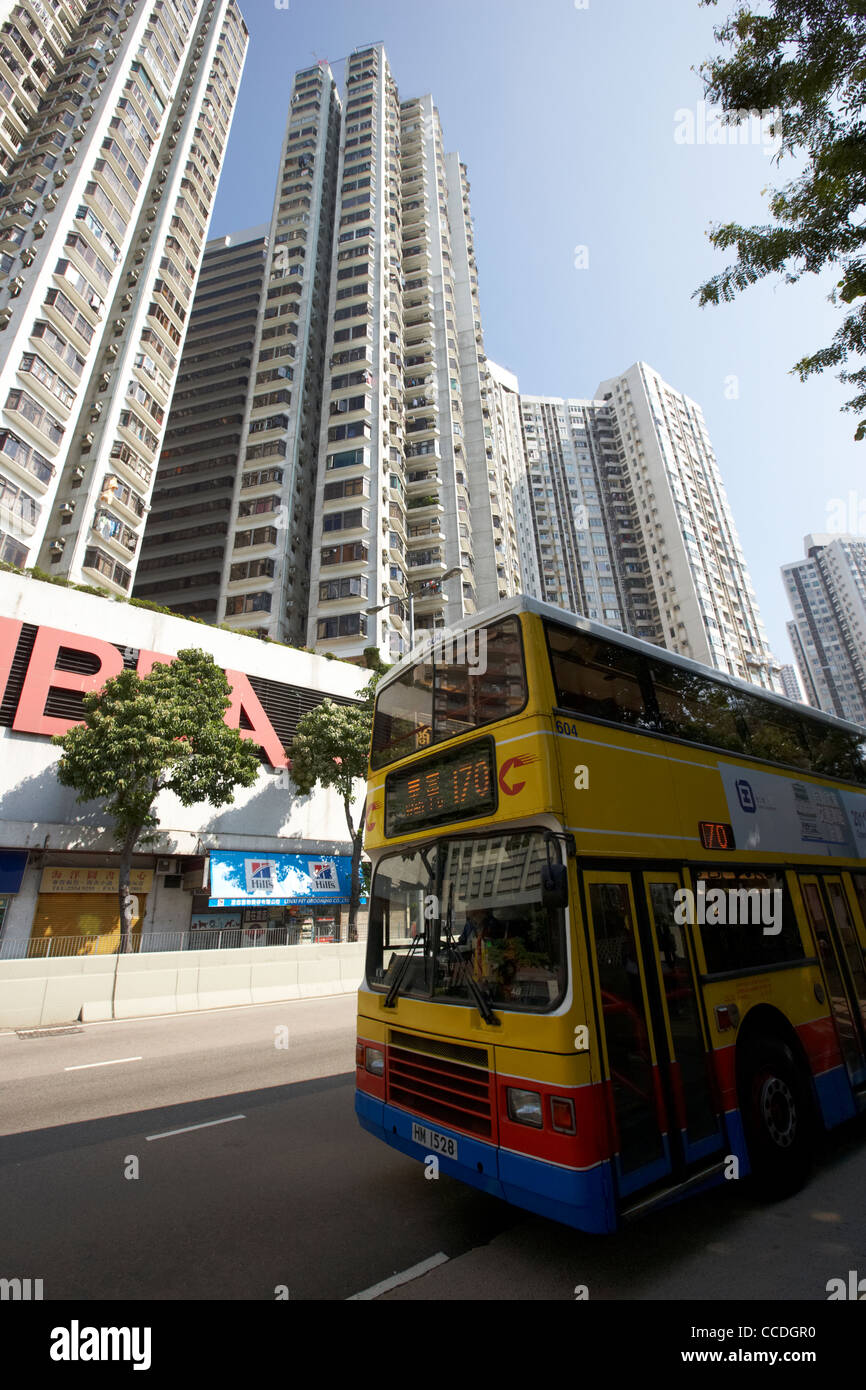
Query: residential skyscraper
(791,684)
(583,537)
(827,594)
(266,584)
(372,471)
(506,482)
(104,216)
(187,544)
(699,585)
(406,435)
(622,516)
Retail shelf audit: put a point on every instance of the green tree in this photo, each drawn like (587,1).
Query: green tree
(145,734)
(331,748)
(805,60)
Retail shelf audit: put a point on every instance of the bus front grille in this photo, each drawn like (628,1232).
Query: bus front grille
(450,1092)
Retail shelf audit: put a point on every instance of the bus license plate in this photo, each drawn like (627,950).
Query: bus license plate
(433,1141)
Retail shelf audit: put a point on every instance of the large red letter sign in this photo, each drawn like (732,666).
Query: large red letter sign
(42,674)
(245,699)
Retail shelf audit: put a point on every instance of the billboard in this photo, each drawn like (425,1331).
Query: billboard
(282,880)
(782,815)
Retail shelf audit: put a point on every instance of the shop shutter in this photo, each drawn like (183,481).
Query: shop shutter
(83,914)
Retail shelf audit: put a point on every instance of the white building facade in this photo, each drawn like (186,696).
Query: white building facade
(102,227)
(827,594)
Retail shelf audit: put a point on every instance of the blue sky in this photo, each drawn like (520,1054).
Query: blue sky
(565,117)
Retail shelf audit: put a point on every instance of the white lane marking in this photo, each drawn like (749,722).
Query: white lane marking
(405,1278)
(189,1128)
(82,1066)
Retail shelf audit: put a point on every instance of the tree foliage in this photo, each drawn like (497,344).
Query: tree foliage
(805,60)
(142,735)
(331,748)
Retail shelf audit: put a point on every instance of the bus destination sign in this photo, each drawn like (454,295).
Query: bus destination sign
(450,786)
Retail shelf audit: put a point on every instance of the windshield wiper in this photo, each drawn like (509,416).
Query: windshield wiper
(481,1000)
(401,972)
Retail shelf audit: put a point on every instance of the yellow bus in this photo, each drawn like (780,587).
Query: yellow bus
(616,947)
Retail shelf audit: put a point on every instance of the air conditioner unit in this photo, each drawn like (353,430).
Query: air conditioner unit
(166,866)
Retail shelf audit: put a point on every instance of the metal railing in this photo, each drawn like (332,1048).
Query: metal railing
(199,939)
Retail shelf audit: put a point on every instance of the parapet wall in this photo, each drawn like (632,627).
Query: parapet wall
(36,993)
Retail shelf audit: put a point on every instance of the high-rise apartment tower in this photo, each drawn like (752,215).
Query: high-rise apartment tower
(123,115)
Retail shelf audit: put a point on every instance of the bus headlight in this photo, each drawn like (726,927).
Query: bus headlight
(525,1107)
(375,1061)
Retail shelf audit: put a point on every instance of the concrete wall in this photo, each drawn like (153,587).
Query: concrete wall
(35,993)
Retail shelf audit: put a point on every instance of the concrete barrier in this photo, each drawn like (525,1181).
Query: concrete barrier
(37,993)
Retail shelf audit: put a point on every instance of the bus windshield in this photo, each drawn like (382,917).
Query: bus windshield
(467,679)
(476,902)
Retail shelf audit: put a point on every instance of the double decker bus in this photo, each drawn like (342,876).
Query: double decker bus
(616,948)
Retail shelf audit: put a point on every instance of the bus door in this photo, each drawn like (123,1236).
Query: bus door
(692,1090)
(635,1105)
(842,961)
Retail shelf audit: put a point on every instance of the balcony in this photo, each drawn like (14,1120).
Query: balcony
(426,563)
(25,460)
(122,497)
(22,519)
(114,532)
(421,339)
(416,254)
(107,569)
(423,425)
(422,359)
(426,530)
(128,460)
(424,505)
(422,480)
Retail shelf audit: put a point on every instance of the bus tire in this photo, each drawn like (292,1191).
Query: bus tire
(778,1118)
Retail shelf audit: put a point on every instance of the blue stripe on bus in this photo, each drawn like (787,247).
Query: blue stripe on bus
(834,1096)
(580,1199)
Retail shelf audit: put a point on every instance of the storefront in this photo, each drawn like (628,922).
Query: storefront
(58,862)
(298,895)
(82,902)
(13,862)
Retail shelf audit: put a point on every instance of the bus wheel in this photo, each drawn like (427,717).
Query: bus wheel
(778,1117)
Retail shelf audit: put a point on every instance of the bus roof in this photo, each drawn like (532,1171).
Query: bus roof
(523,603)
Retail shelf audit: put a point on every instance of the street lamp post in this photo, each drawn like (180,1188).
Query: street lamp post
(449,574)
(411,595)
(378,608)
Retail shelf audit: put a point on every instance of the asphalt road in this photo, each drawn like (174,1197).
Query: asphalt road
(286,1191)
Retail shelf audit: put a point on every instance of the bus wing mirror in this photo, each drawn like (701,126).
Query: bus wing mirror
(554,885)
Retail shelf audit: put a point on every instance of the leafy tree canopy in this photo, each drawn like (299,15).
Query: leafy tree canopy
(804,59)
(161,732)
(331,747)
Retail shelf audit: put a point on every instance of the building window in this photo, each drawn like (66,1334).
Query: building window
(346,625)
(248,603)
